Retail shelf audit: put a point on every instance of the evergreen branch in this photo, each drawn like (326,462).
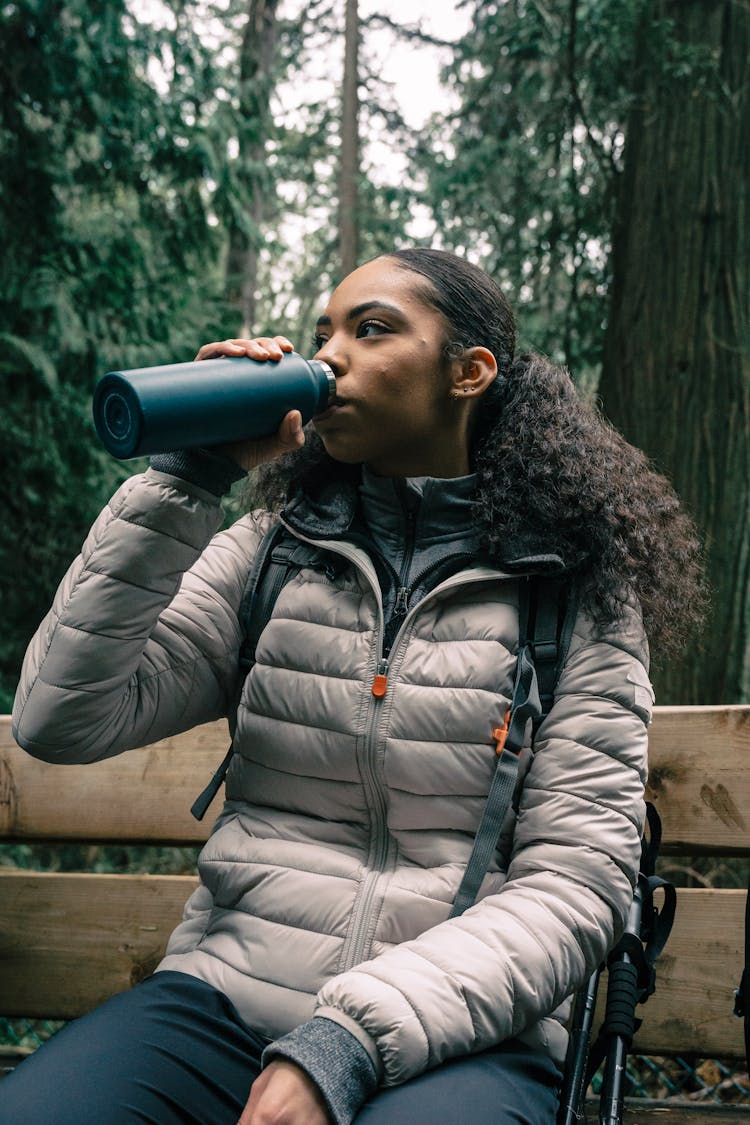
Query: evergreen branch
(604,159)
(405,31)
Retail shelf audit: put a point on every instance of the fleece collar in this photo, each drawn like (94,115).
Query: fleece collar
(446,510)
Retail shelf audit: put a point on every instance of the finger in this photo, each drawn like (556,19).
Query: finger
(221,347)
(291,432)
(272,347)
(261,348)
(255,348)
(256,1090)
(284,344)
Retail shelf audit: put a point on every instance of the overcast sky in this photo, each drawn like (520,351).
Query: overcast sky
(411,67)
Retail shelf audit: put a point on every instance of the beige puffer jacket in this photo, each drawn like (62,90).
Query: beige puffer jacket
(327,882)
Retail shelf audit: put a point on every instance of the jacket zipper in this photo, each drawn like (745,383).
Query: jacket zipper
(377,858)
(401,607)
(360,933)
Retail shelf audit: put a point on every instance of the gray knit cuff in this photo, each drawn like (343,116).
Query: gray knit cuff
(336,1061)
(202,467)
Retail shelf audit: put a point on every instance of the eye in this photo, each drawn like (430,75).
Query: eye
(317,341)
(369,328)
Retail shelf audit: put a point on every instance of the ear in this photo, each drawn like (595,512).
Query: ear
(473,372)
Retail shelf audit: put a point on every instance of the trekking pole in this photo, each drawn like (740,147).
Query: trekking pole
(632,974)
(574,1084)
(620,1024)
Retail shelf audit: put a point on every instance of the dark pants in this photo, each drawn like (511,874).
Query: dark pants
(173,1051)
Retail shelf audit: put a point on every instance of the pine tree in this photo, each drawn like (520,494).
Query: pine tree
(676,376)
(349,172)
(249,201)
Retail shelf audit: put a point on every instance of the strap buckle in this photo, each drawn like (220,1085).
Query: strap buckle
(545,650)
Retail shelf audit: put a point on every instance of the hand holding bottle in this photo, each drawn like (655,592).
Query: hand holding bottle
(290,435)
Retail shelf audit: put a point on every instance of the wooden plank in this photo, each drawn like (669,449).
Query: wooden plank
(141,797)
(691,1010)
(699,778)
(639,1111)
(67,942)
(699,781)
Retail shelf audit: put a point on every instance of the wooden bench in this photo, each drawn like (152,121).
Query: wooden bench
(67,941)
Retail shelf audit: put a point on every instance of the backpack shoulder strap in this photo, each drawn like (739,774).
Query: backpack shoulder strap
(278,558)
(265,581)
(546,614)
(553,609)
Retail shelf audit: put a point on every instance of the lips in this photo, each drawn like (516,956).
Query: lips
(333,406)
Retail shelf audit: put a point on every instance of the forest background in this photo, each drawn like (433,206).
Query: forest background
(177,172)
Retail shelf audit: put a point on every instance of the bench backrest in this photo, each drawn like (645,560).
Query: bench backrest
(68,941)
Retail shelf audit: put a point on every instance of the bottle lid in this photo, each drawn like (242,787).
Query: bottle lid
(326,370)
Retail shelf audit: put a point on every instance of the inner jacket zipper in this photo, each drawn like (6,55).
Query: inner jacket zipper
(405,593)
(359,934)
(411,529)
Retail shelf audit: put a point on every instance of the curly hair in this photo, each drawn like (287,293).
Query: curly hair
(548,466)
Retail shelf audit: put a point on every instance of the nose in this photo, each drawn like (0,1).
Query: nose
(334,354)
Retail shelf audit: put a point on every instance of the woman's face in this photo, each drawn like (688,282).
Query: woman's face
(395,410)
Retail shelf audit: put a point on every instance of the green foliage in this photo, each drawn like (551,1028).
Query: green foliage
(101,859)
(101,182)
(107,259)
(523,175)
(59,482)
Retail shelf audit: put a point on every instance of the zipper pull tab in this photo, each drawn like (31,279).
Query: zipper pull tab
(380,683)
(400,608)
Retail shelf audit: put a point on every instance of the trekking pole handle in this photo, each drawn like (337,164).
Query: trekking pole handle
(611,1104)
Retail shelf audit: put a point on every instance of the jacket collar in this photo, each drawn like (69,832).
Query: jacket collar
(434,509)
(333,511)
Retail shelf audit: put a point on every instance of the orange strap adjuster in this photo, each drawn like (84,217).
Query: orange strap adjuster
(501,733)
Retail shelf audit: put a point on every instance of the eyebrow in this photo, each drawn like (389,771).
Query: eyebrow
(366,306)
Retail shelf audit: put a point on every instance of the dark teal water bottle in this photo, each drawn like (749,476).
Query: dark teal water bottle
(207,402)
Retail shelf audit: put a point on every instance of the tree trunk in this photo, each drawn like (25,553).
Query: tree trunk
(349,169)
(676,372)
(257,54)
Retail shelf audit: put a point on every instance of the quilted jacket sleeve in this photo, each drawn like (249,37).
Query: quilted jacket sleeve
(142,639)
(512,958)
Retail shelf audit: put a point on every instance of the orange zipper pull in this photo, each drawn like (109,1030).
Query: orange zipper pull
(380,683)
(501,733)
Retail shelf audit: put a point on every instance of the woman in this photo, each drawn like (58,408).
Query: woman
(320,934)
